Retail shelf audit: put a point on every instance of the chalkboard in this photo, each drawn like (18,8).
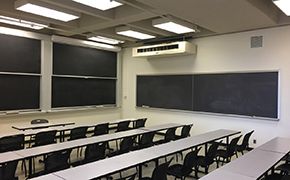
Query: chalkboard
(19,54)
(171,91)
(68,92)
(249,94)
(19,92)
(82,61)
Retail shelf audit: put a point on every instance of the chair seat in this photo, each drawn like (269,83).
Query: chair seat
(222,153)
(201,161)
(284,167)
(177,171)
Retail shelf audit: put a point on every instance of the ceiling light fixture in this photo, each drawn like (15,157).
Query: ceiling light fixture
(46,10)
(284,5)
(100,4)
(105,40)
(22,23)
(171,26)
(126,31)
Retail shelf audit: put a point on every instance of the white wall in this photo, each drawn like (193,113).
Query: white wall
(224,53)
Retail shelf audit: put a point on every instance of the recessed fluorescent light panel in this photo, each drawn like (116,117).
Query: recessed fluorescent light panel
(284,5)
(100,4)
(22,23)
(127,31)
(42,10)
(171,26)
(105,40)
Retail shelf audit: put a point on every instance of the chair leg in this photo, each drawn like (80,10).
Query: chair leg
(237,154)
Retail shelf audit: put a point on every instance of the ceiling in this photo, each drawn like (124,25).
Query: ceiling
(210,16)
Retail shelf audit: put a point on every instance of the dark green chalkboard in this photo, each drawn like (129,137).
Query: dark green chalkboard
(248,94)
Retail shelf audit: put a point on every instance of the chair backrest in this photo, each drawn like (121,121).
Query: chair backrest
(123,126)
(7,170)
(78,132)
(12,143)
(44,138)
(160,172)
(56,161)
(140,123)
(147,139)
(170,134)
(101,129)
(246,139)
(190,160)
(38,121)
(95,152)
(212,152)
(185,131)
(126,144)
(231,148)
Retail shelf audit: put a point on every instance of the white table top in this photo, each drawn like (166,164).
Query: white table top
(278,144)
(25,126)
(76,143)
(254,164)
(117,163)
(9,156)
(225,175)
(47,177)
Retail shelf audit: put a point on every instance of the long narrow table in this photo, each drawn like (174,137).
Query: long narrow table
(224,175)
(257,162)
(26,126)
(137,158)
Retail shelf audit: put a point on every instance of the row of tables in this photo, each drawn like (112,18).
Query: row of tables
(33,129)
(255,163)
(29,153)
(136,158)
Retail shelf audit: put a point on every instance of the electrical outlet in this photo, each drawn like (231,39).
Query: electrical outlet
(254,141)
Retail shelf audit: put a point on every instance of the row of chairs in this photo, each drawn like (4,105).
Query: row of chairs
(281,172)
(17,142)
(193,161)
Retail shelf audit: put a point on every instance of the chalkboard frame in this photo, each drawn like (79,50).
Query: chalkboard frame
(213,113)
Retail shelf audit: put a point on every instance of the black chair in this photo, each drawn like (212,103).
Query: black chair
(126,145)
(285,167)
(225,155)
(123,126)
(56,161)
(140,123)
(185,132)
(93,152)
(208,159)
(159,172)
(183,170)
(45,138)
(7,171)
(169,136)
(101,129)
(78,133)
(13,143)
(274,176)
(146,140)
(245,143)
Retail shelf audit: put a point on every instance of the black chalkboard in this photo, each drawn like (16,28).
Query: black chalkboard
(249,94)
(68,92)
(168,91)
(19,54)
(82,61)
(19,92)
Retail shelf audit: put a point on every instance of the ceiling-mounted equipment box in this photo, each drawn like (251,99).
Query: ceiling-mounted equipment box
(168,49)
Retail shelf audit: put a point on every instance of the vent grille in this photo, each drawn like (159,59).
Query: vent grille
(256,41)
(158,48)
